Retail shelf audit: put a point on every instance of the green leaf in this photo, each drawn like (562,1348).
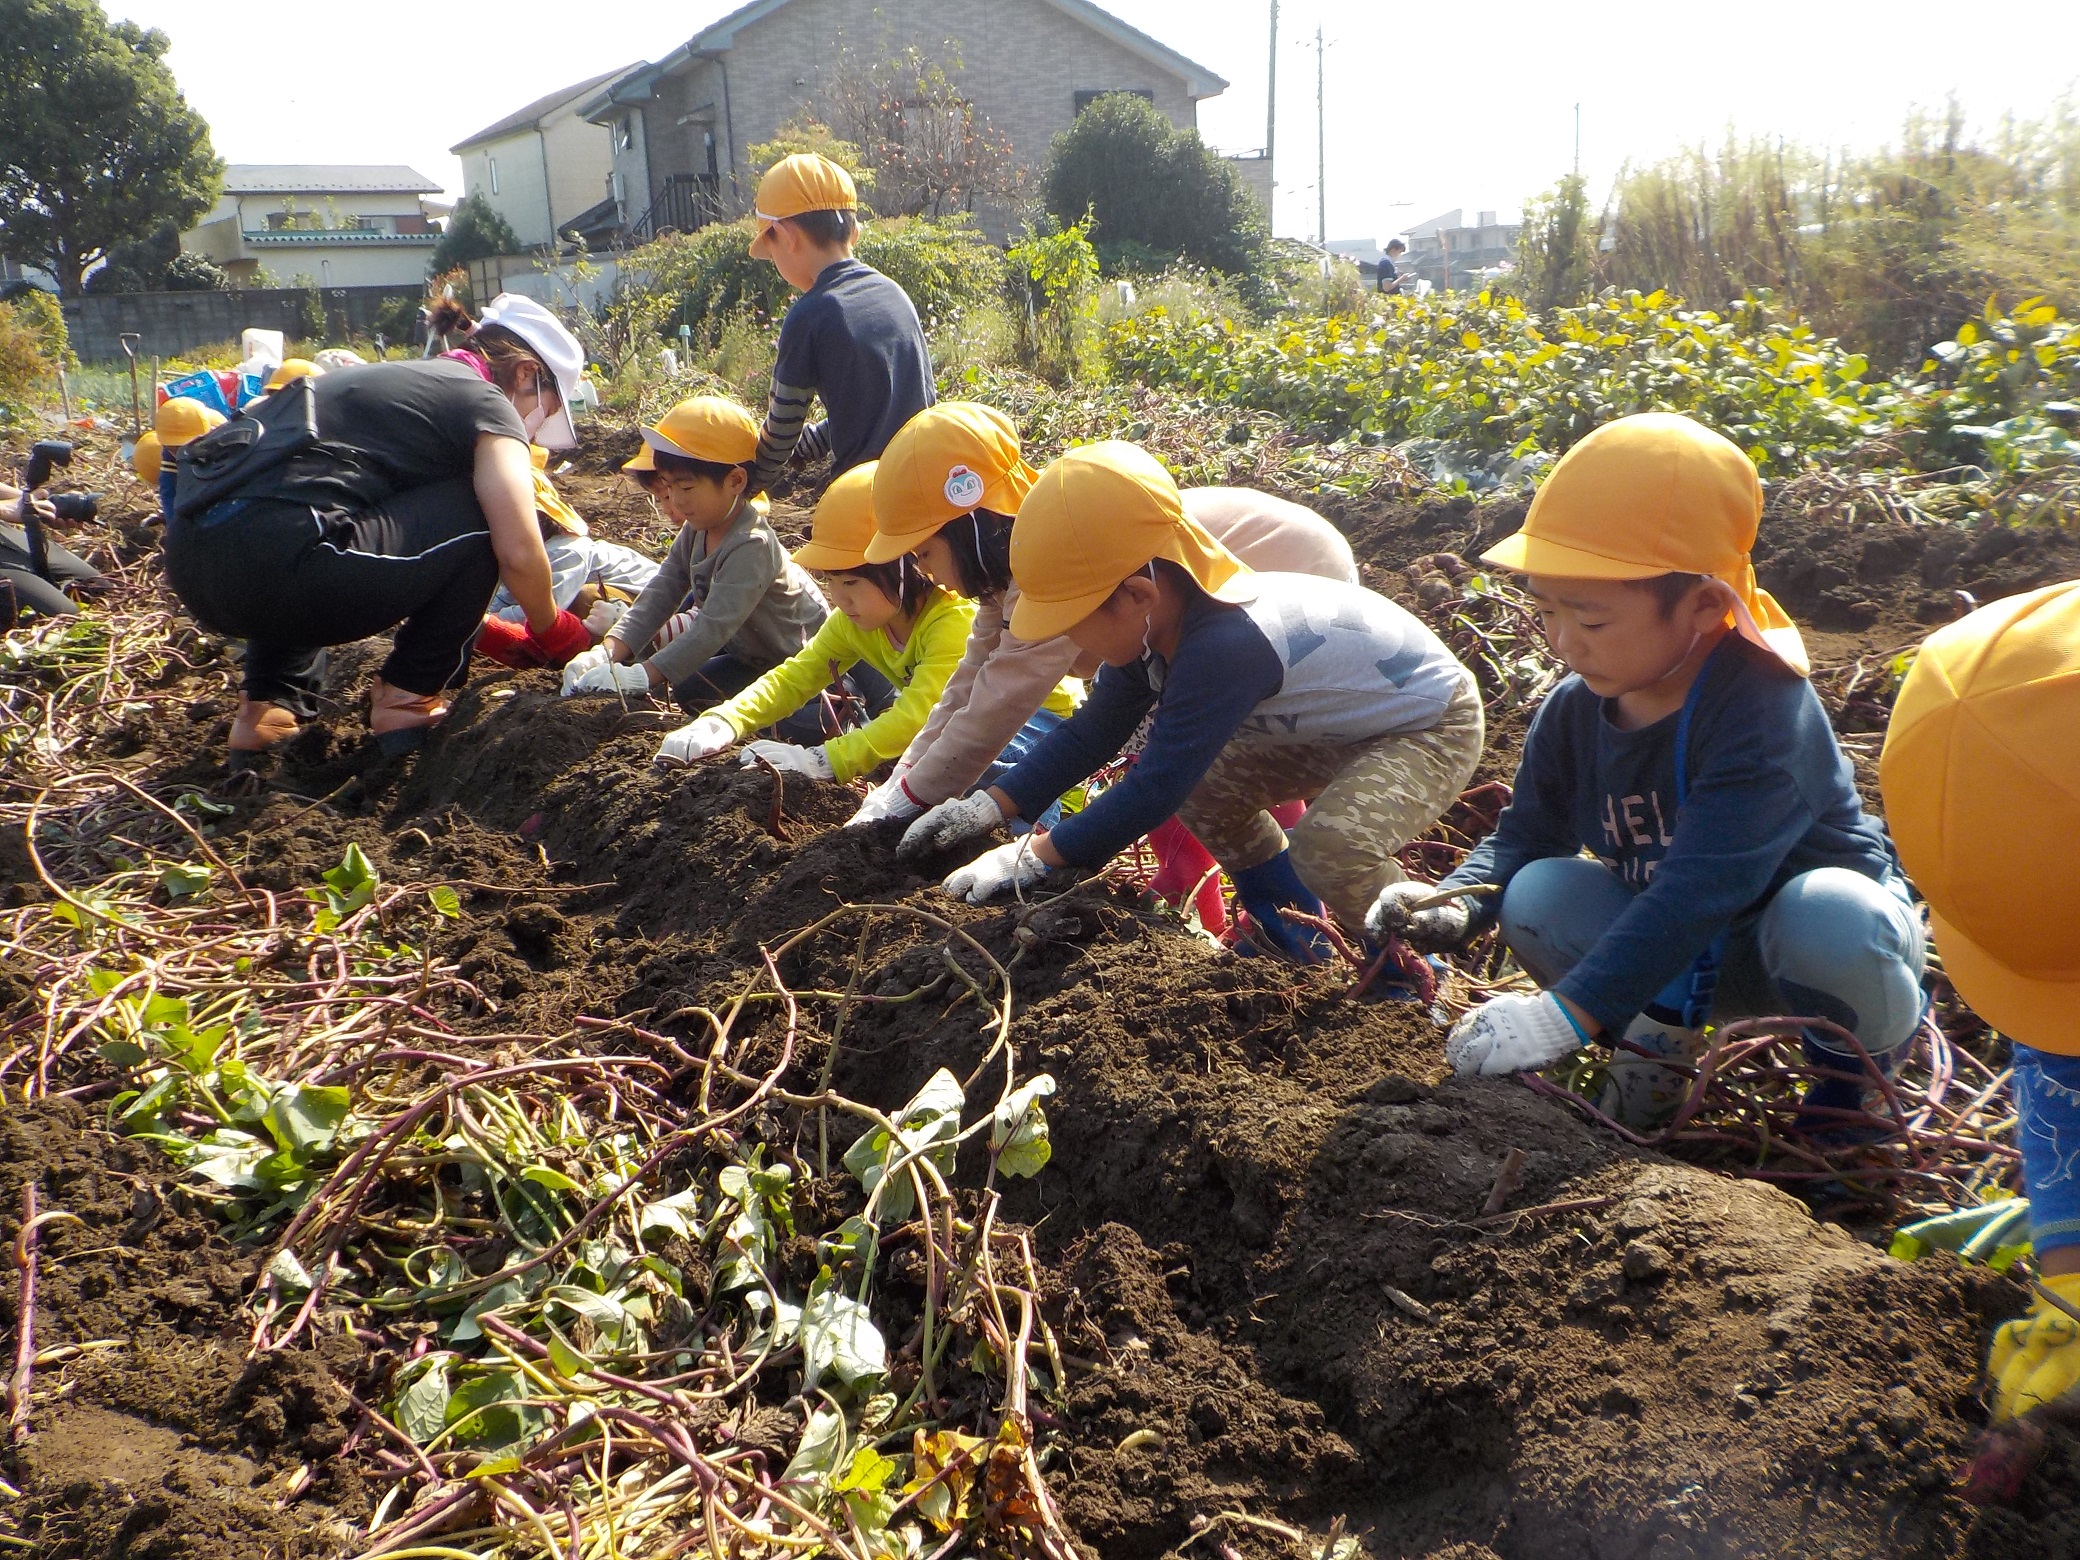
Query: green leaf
(505,1292)
(1018,1130)
(445,900)
(102,981)
(822,1445)
(678,1214)
(554,1180)
(350,885)
(567,1361)
(486,1413)
(305,1118)
(183,881)
(603,1311)
(289,1274)
(931,1121)
(422,1408)
(122,1053)
(839,1338)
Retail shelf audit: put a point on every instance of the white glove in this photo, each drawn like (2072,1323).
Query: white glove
(887,800)
(581,663)
(950,824)
(696,740)
(1512,1034)
(603,676)
(1002,866)
(1435,929)
(600,621)
(785,756)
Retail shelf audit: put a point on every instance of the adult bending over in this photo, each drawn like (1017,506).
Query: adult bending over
(392,495)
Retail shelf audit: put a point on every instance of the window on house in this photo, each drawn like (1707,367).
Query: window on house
(624,134)
(1086,98)
(493,161)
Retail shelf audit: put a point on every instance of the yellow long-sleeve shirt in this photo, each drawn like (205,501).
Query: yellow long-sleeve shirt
(920,668)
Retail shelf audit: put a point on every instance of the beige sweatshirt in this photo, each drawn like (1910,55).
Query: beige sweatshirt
(1003,680)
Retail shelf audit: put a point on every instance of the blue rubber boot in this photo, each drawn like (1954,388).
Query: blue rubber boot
(1274,886)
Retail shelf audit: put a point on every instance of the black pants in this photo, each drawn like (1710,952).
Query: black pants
(290,580)
(32,592)
(724,677)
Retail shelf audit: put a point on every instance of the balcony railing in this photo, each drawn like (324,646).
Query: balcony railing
(687,202)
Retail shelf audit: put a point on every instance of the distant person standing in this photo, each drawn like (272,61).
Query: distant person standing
(1389,272)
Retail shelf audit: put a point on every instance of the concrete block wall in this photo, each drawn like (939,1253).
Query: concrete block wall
(175,322)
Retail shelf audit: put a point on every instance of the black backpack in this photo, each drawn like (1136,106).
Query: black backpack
(239,459)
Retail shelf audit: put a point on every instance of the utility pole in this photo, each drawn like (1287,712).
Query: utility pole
(1321,142)
(1271,101)
(1578,140)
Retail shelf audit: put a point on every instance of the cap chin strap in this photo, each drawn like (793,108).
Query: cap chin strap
(1148,618)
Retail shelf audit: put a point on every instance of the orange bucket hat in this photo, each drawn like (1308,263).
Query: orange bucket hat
(1652,494)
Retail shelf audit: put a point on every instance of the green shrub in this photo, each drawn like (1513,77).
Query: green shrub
(27,369)
(1144,181)
(39,311)
(703,278)
(1054,302)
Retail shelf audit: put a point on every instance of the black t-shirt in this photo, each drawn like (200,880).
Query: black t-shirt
(386,427)
(1389,274)
(854,339)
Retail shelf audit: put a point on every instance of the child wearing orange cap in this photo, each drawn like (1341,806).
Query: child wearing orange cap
(852,339)
(890,617)
(1265,689)
(726,606)
(1686,840)
(1978,775)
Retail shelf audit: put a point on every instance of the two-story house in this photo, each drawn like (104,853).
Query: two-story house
(680,128)
(1450,252)
(546,168)
(338,225)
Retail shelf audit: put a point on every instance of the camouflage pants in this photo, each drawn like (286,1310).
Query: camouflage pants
(1364,804)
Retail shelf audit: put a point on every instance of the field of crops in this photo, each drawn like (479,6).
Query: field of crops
(515,1151)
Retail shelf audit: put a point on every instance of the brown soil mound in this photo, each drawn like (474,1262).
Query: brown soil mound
(1262,1217)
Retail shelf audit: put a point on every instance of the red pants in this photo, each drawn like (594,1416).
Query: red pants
(1186,869)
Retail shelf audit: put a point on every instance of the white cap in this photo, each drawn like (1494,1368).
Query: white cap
(549,340)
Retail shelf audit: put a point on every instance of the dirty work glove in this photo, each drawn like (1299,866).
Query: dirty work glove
(506,643)
(1512,1034)
(1434,929)
(888,800)
(696,740)
(581,663)
(600,621)
(949,824)
(561,640)
(2036,1358)
(789,759)
(606,677)
(1014,865)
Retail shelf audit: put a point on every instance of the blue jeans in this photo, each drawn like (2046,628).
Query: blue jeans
(1022,743)
(2047,1098)
(1832,944)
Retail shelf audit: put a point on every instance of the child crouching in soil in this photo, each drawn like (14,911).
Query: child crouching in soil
(593,579)
(1266,688)
(727,606)
(890,617)
(1978,779)
(1686,842)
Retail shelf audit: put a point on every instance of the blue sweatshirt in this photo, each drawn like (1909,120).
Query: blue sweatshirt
(1770,796)
(1310,662)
